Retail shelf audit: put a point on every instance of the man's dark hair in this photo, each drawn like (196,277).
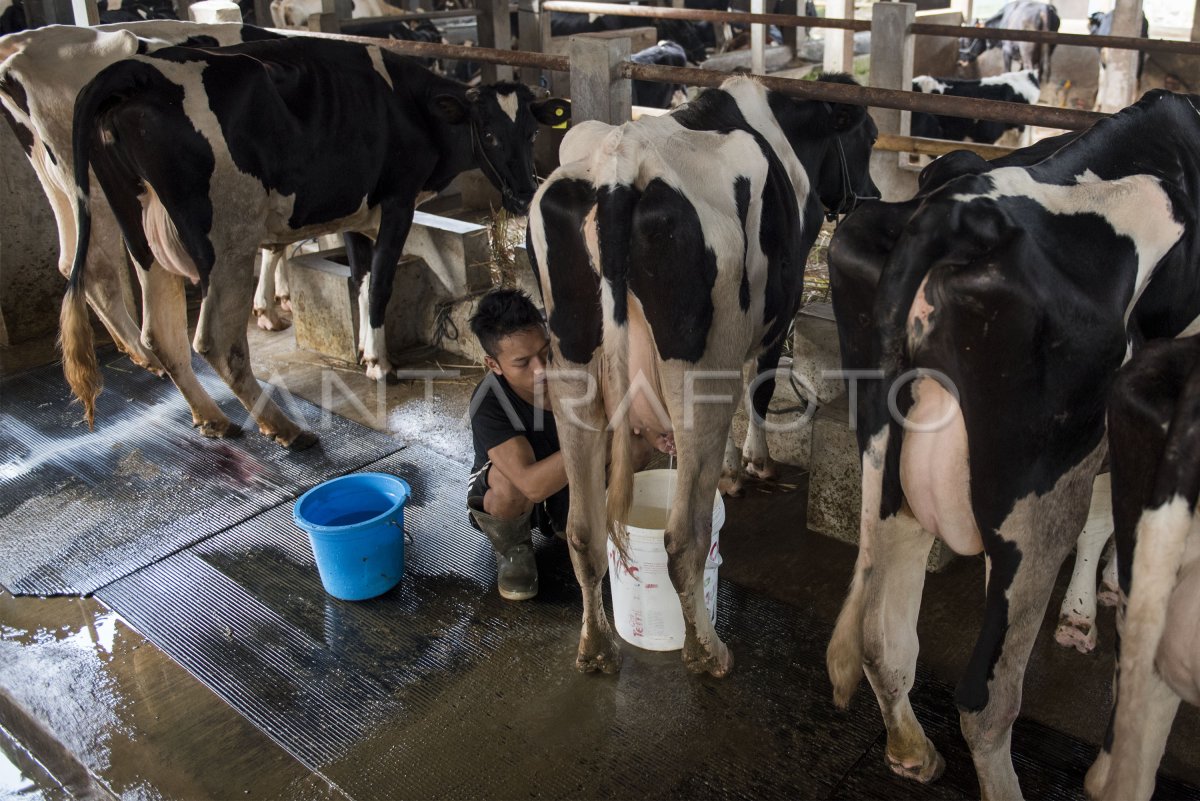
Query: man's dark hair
(500,313)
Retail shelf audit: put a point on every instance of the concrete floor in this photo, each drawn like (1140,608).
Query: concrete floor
(88,708)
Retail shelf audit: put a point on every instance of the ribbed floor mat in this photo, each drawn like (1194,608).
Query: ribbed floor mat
(80,509)
(439,689)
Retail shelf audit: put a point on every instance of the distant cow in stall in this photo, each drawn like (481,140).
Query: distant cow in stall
(997,310)
(12,16)
(295,13)
(1011,87)
(1154,433)
(655,94)
(671,249)
(682,32)
(41,73)
(253,159)
(1025,15)
(1100,24)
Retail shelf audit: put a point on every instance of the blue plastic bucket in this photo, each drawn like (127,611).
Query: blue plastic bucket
(356,526)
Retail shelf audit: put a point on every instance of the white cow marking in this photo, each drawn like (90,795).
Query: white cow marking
(510,104)
(929,85)
(1021,82)
(377,63)
(1135,207)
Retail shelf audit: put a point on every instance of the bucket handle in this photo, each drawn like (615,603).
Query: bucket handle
(409,539)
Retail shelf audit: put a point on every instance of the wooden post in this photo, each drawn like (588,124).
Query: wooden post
(533,34)
(598,92)
(1119,82)
(758,41)
(892,50)
(839,44)
(61,12)
(494,30)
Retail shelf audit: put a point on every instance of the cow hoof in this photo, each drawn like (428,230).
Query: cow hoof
(302,441)
(1107,596)
(730,486)
(928,769)
(716,661)
(377,371)
(604,659)
(269,321)
(1076,632)
(284,301)
(149,364)
(218,430)
(765,469)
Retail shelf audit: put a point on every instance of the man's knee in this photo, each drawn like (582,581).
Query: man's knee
(503,499)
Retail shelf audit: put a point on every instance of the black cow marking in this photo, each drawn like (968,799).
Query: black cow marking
(577,321)
(668,250)
(24,135)
(741,193)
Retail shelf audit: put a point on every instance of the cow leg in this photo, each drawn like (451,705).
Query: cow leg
(1023,560)
(891,603)
(108,285)
(221,340)
(164,333)
(283,289)
(688,534)
(265,309)
(755,456)
(730,483)
(394,223)
(1145,705)
(1108,594)
(581,434)
(1077,616)
(358,252)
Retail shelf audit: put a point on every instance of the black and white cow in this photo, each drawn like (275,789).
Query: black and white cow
(1100,24)
(682,32)
(206,153)
(995,312)
(1027,15)
(654,93)
(41,73)
(671,250)
(1011,87)
(1154,434)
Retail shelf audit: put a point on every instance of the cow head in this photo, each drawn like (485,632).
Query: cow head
(969,50)
(833,141)
(686,35)
(502,121)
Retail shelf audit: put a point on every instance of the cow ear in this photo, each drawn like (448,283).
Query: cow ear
(451,109)
(844,117)
(553,111)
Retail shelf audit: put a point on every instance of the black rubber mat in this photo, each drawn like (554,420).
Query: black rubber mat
(440,689)
(80,509)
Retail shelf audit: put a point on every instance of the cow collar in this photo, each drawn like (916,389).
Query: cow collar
(478,150)
(849,198)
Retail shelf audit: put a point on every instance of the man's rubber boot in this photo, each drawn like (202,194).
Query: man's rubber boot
(516,570)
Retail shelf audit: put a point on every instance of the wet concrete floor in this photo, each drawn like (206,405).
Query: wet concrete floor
(89,708)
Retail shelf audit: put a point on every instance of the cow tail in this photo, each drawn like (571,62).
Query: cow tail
(615,203)
(80,366)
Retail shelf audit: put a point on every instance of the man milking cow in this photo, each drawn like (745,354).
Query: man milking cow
(518,479)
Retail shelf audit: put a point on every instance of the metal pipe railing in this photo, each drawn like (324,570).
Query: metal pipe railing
(703,15)
(486,55)
(1055,38)
(925,146)
(971,108)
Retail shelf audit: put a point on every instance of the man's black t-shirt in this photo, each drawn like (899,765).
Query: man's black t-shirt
(498,414)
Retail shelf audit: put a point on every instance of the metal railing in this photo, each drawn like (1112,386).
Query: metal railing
(703,15)
(1055,38)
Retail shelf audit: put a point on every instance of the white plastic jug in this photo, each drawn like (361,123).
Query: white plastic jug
(646,608)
